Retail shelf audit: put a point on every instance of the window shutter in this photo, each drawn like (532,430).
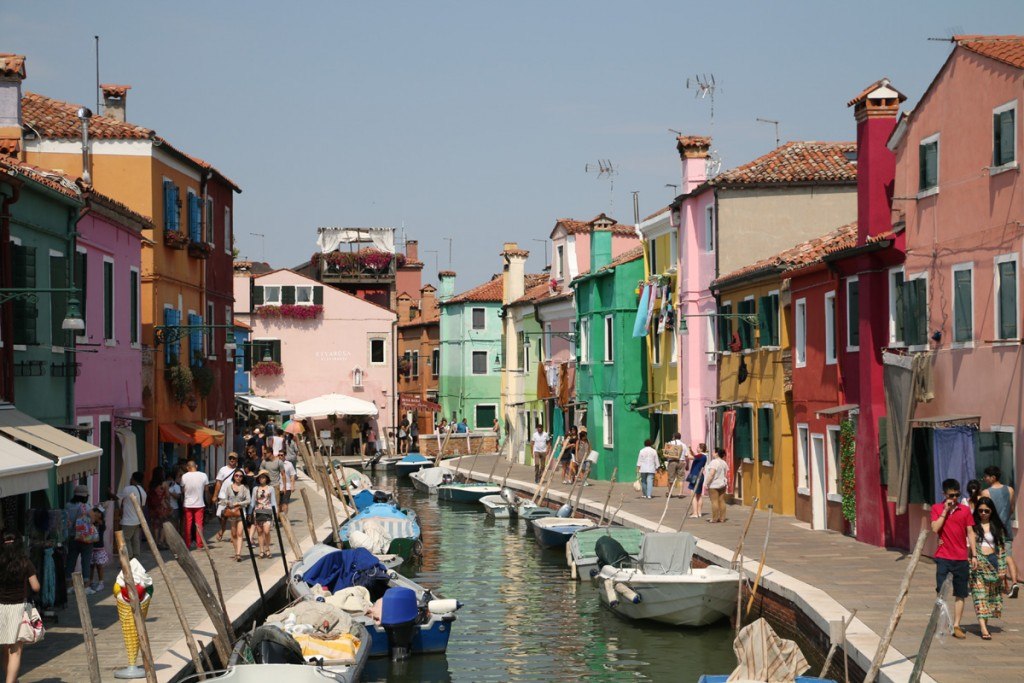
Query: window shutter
(275,350)
(248,348)
(1007,300)
(773,315)
(763,324)
(288,294)
(257,296)
(724,328)
(318,295)
(853,313)
(744,442)
(929,168)
(58,300)
(133,298)
(175,208)
(883,449)
(195,339)
(108,300)
(764,435)
(169,355)
(1003,146)
(746,328)
(209,221)
(168,223)
(23,270)
(909,312)
(962,306)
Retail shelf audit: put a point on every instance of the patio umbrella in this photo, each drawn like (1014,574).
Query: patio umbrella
(293,427)
(334,404)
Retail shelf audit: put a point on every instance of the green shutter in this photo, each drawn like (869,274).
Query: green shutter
(763,324)
(25,313)
(922,480)
(1003,137)
(288,294)
(107,459)
(257,296)
(774,319)
(962,306)
(765,451)
(746,308)
(883,449)
(1007,300)
(275,350)
(58,300)
(133,298)
(929,165)
(318,295)
(724,327)
(853,313)
(899,284)
(108,300)
(743,445)
(915,311)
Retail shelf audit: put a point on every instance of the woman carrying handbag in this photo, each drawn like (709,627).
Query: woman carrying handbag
(17,576)
(235,498)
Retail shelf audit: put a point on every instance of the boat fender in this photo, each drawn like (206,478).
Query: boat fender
(572,569)
(609,593)
(564,511)
(443,606)
(628,593)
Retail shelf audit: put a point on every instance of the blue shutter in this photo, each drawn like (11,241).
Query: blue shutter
(195,339)
(172,350)
(168,214)
(175,213)
(194,226)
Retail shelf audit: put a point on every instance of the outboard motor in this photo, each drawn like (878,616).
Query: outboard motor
(509,496)
(447,479)
(381,497)
(564,512)
(398,616)
(610,551)
(272,645)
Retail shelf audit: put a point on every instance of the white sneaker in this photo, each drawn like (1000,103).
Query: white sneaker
(90,591)
(98,586)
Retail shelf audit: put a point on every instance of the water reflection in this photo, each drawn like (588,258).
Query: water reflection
(525,620)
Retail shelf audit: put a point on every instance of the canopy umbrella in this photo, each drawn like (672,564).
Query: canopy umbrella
(293,427)
(334,404)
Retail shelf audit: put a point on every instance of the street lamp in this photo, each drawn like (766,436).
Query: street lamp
(73,318)
(229,340)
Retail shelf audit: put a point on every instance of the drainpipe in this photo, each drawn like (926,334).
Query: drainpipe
(7,280)
(70,355)
(204,180)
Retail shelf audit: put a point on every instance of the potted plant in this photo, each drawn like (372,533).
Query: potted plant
(180,378)
(199,250)
(267,368)
(204,378)
(175,239)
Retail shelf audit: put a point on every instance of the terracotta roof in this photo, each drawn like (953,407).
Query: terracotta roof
(625,257)
(52,118)
(12,65)
(515,252)
(800,256)
(1006,49)
(491,291)
(432,319)
(114,90)
(573,226)
(796,162)
(58,182)
(534,293)
(657,213)
(241,325)
(113,205)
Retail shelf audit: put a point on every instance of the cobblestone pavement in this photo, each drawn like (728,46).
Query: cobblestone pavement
(858,576)
(61,656)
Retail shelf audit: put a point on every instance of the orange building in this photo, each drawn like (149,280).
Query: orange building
(191,204)
(419,357)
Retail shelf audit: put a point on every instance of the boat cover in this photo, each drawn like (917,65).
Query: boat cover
(432,476)
(414,459)
(344,568)
(668,553)
(363,499)
(764,656)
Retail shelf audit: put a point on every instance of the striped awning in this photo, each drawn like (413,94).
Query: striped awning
(73,457)
(22,470)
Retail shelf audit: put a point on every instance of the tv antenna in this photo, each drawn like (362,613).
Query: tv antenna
(704,87)
(605,169)
(773,122)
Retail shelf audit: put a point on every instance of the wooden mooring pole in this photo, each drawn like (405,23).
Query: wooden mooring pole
(87,632)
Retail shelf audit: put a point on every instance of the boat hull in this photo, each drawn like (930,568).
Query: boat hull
(699,598)
(466,493)
(555,532)
(496,507)
(404,469)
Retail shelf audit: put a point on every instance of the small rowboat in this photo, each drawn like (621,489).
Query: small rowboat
(555,532)
(414,462)
(470,492)
(429,478)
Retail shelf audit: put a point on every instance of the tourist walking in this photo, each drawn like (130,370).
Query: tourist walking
(988,563)
(131,525)
(973,494)
(236,498)
(677,455)
(716,474)
(174,499)
(273,466)
(193,485)
(17,578)
(74,510)
(568,454)
(287,486)
(223,477)
(951,520)
(264,501)
(695,480)
(158,507)
(646,465)
(1004,498)
(100,556)
(540,452)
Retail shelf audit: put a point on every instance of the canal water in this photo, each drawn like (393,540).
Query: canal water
(524,618)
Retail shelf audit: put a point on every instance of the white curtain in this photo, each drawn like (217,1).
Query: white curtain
(129,449)
(330,239)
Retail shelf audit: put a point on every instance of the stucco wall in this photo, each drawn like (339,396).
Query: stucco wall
(460,390)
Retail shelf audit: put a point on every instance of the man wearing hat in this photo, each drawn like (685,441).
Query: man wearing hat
(131,525)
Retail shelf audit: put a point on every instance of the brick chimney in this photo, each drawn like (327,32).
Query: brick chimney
(12,73)
(412,250)
(428,301)
(601,243)
(514,281)
(446,278)
(693,153)
(875,110)
(115,98)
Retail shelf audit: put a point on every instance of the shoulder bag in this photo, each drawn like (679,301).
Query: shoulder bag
(31,629)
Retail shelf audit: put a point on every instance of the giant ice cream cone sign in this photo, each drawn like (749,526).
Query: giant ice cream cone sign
(143,583)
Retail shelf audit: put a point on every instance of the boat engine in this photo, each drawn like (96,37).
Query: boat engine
(399,616)
(381,497)
(509,496)
(272,645)
(610,551)
(447,479)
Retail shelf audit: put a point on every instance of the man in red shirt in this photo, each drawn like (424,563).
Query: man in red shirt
(952,520)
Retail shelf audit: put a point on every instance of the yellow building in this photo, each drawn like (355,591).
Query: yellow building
(661,265)
(754,410)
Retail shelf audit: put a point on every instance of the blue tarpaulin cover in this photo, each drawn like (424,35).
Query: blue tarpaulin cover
(344,568)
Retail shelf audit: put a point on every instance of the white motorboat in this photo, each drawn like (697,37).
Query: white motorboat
(429,478)
(496,506)
(663,587)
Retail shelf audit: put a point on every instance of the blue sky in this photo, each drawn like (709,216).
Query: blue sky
(475,120)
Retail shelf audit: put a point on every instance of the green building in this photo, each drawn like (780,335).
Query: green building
(469,385)
(611,375)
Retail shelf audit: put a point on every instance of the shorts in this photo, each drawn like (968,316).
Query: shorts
(286,497)
(100,557)
(960,569)
(263,516)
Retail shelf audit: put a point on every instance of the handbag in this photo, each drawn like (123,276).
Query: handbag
(31,629)
(232,512)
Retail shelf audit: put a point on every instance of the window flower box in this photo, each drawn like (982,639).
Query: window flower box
(294,311)
(267,368)
(367,261)
(200,250)
(175,239)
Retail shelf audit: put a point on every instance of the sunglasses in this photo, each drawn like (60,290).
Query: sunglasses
(953,495)
(984,511)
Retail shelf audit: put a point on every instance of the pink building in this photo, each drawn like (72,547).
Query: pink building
(309,339)
(959,190)
(108,392)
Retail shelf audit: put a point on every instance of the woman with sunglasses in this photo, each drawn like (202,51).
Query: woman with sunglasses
(988,563)
(235,498)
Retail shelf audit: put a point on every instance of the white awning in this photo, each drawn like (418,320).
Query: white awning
(329,239)
(269,405)
(334,404)
(22,470)
(74,458)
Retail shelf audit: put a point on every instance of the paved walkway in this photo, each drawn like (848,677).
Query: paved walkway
(827,572)
(61,656)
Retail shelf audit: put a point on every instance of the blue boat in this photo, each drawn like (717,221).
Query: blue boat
(469,492)
(399,525)
(436,615)
(413,462)
(555,532)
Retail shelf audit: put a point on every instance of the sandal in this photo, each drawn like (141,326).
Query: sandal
(220,536)
(986,636)
(238,558)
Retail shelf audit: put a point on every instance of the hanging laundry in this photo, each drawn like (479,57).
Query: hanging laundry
(742,373)
(954,457)
(650,307)
(640,323)
(728,443)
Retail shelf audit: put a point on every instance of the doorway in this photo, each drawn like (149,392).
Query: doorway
(819,506)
